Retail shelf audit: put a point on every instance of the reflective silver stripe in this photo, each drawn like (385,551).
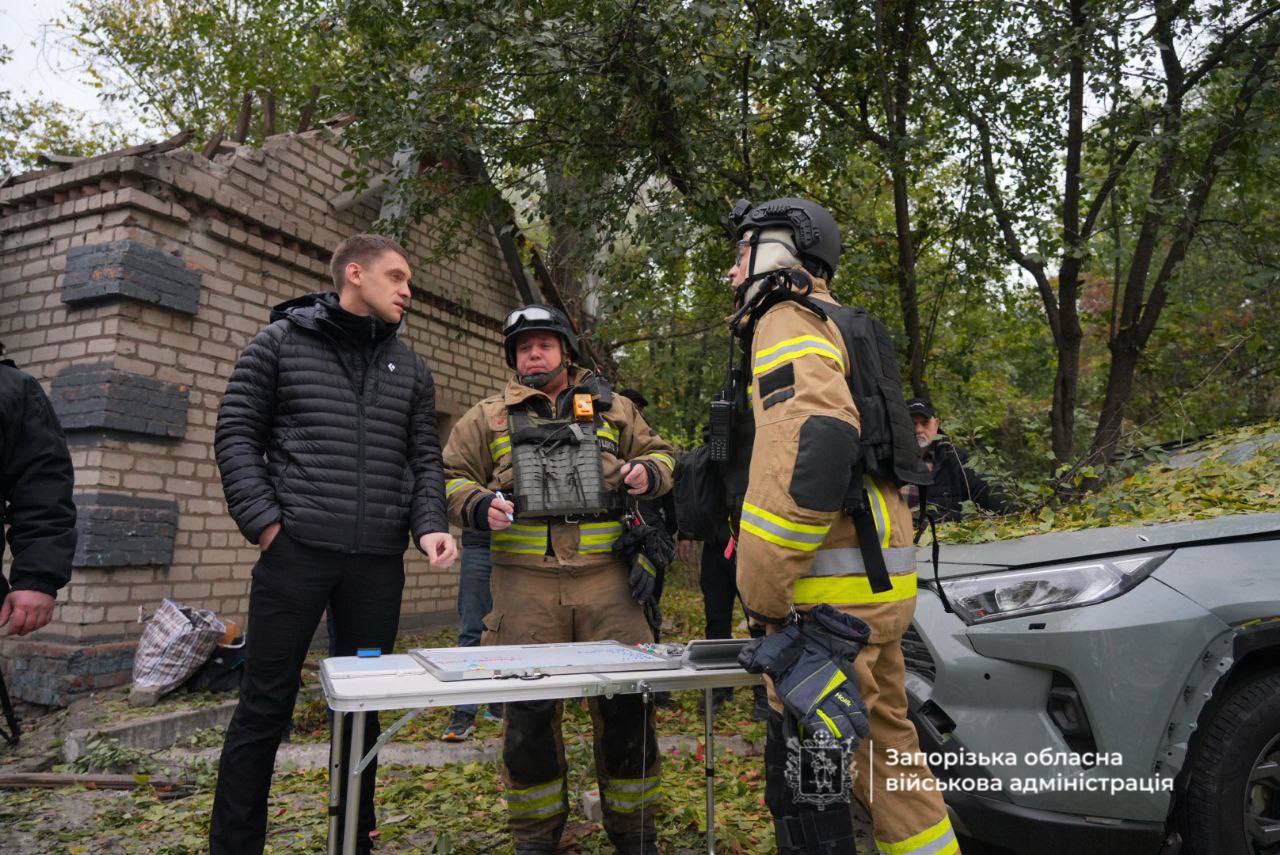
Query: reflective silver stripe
(847,561)
(538,802)
(945,843)
(628,795)
(793,348)
(938,839)
(776,525)
(453,485)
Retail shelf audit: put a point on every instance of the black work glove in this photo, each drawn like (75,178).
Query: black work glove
(647,550)
(811,664)
(643,578)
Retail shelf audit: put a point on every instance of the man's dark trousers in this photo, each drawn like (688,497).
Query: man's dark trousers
(475,599)
(292,585)
(719,584)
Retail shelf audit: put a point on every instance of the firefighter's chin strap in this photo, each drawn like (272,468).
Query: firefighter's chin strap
(541,379)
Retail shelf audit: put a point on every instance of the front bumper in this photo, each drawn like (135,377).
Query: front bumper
(1026,830)
(983,691)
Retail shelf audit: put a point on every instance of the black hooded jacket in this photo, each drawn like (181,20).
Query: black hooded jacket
(328,426)
(36,480)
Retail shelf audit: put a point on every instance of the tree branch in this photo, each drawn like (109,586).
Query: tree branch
(1013,247)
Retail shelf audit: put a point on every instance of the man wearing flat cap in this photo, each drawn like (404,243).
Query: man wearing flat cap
(953,481)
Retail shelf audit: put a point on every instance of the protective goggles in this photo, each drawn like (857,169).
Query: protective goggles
(525,317)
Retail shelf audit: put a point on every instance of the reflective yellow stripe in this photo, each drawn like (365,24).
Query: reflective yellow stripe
(775,529)
(499,447)
(520,538)
(608,431)
(851,589)
(540,802)
(879,510)
(598,538)
(627,795)
(518,550)
(794,348)
(938,839)
(835,731)
(453,485)
(596,548)
(665,458)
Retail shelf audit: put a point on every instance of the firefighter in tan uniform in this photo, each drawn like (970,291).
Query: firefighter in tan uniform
(561,447)
(798,544)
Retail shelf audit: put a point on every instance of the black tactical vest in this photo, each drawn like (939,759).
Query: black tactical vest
(557,467)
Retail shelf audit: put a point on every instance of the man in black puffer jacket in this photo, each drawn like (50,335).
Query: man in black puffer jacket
(329,455)
(954,483)
(36,510)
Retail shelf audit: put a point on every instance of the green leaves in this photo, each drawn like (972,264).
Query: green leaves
(1234,473)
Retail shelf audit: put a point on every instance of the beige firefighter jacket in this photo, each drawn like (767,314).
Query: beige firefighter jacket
(477,461)
(796,545)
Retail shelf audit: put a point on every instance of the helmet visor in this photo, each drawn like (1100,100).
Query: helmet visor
(526,316)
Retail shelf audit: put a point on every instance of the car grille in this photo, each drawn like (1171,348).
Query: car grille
(917,656)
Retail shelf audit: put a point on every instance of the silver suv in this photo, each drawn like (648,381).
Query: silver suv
(1111,690)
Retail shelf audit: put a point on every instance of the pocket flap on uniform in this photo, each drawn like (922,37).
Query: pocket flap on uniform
(492,621)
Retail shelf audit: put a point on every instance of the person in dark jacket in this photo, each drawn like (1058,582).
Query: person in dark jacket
(327,446)
(37,514)
(953,481)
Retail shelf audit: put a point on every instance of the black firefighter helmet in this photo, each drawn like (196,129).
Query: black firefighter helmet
(538,317)
(814,230)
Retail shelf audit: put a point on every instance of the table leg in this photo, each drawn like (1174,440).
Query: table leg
(351,819)
(335,778)
(710,754)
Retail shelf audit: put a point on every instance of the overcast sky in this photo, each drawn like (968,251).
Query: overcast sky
(40,66)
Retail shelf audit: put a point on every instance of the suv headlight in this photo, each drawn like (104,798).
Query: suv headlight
(996,596)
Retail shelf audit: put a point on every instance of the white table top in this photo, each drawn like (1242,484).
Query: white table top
(398,681)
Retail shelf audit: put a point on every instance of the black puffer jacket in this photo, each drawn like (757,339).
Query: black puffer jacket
(36,479)
(344,414)
(955,483)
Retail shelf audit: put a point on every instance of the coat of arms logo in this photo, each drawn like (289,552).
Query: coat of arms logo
(819,769)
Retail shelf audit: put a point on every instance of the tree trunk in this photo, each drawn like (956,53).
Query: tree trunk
(1124,365)
(896,33)
(1066,381)
(268,99)
(1141,312)
(309,111)
(1062,416)
(242,120)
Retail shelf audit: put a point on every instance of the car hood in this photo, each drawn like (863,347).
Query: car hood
(969,559)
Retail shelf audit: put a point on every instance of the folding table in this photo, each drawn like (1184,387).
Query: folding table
(400,682)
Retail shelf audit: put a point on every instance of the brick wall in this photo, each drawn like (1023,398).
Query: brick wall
(128,286)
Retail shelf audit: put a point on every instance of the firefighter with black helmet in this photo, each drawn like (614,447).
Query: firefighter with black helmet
(824,539)
(546,466)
